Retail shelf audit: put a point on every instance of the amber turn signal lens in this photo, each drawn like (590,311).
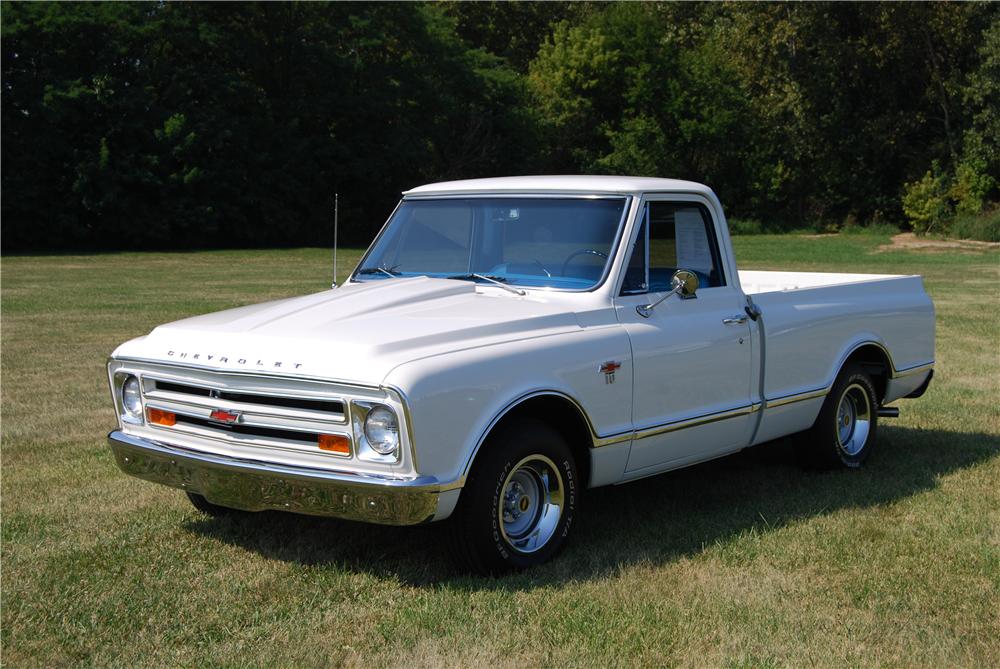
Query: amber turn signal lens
(161,417)
(335,443)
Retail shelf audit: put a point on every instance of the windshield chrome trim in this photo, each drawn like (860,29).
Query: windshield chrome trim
(351,278)
(626,199)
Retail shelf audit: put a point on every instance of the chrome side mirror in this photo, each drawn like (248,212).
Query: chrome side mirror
(688,283)
(684,283)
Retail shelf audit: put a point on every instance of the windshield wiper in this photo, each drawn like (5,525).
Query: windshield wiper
(492,278)
(390,271)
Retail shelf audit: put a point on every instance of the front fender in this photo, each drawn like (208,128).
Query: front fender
(453,399)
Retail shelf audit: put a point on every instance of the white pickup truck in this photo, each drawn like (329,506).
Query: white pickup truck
(502,345)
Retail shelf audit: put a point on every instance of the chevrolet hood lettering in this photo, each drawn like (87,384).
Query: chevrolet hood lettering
(198,357)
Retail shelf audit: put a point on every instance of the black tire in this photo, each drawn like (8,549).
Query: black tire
(478,530)
(199,502)
(850,409)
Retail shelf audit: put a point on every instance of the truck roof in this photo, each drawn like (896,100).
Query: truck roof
(561,184)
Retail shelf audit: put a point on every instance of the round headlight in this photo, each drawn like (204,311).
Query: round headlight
(382,430)
(131,397)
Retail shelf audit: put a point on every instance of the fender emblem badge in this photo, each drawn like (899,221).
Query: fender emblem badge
(608,369)
(224,416)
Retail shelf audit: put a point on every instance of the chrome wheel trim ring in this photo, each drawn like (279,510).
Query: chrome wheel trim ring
(854,419)
(531,504)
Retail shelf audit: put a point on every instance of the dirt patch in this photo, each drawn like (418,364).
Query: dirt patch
(907,241)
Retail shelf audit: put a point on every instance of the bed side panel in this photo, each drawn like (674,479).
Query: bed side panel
(809,332)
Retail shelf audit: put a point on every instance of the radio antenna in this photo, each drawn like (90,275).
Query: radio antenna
(336,203)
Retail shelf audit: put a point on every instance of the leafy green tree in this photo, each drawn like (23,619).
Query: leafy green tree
(978,173)
(575,82)
(190,124)
(513,30)
(796,113)
(233,124)
(638,89)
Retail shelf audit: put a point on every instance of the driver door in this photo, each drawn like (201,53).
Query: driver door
(692,357)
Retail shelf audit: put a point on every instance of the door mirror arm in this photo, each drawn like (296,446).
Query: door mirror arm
(684,283)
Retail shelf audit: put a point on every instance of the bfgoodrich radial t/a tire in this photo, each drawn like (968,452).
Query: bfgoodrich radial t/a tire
(518,504)
(845,430)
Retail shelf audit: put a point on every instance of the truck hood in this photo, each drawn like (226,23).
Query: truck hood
(356,333)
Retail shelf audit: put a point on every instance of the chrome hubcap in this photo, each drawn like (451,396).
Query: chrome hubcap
(854,417)
(531,504)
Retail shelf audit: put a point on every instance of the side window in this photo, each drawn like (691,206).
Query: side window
(674,235)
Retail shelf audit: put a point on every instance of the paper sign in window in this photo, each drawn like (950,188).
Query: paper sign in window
(693,251)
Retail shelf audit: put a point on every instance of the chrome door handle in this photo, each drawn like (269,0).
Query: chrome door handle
(735,320)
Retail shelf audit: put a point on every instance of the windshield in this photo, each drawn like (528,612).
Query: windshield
(531,242)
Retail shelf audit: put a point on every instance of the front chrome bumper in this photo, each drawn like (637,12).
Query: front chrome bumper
(258,486)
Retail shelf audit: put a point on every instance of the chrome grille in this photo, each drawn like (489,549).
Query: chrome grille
(328,406)
(276,417)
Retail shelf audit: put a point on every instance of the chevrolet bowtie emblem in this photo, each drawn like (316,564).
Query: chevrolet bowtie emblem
(224,416)
(608,369)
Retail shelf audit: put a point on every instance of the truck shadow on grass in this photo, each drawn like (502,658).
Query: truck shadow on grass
(652,521)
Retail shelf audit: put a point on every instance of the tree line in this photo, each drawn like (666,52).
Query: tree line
(180,125)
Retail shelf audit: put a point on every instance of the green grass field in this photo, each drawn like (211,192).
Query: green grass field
(745,562)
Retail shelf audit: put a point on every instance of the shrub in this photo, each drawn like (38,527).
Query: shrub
(972,185)
(985,227)
(926,201)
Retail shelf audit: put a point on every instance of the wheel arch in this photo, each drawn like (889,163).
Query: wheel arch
(558,410)
(876,360)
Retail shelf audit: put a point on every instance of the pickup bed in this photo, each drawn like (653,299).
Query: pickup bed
(502,345)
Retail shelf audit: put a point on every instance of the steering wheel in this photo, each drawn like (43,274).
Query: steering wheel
(542,267)
(580,252)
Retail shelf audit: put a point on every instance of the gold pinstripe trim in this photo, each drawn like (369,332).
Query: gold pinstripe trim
(676,425)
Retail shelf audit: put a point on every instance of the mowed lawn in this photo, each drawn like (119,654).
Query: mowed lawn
(745,562)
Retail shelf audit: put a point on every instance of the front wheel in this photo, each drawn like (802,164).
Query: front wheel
(519,501)
(845,430)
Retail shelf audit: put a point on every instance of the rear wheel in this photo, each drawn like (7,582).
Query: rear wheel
(199,502)
(519,501)
(846,428)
